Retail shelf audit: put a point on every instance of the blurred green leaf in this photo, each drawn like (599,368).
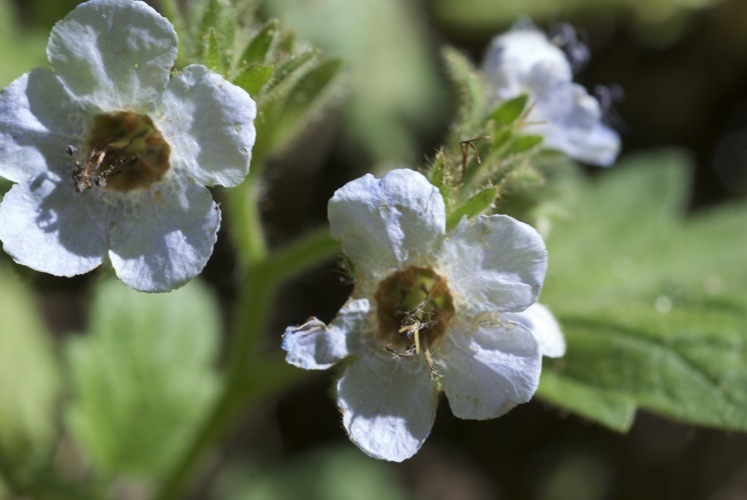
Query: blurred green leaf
(330,474)
(29,379)
(394,80)
(254,78)
(475,205)
(213,56)
(220,17)
(142,377)
(653,306)
(509,111)
(524,143)
(261,45)
(20,51)
(472,95)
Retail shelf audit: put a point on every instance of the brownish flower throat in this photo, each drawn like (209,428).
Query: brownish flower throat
(414,307)
(125,152)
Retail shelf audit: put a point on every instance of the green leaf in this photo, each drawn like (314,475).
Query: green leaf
(471,89)
(213,57)
(524,143)
(509,111)
(653,306)
(254,78)
(475,205)
(29,379)
(295,66)
(142,377)
(338,473)
(220,16)
(310,88)
(260,47)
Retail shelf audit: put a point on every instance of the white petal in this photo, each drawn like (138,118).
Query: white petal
(116,54)
(314,346)
(494,264)
(383,224)
(489,370)
(167,239)
(38,120)
(571,121)
(209,124)
(47,226)
(525,61)
(512,57)
(544,327)
(388,405)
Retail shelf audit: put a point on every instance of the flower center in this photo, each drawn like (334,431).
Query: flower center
(414,307)
(125,152)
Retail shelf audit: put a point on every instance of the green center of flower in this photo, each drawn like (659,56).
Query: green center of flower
(125,151)
(414,307)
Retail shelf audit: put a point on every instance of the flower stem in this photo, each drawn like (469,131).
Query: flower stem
(249,376)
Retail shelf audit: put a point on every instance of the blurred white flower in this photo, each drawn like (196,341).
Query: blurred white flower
(525,61)
(432,310)
(111,156)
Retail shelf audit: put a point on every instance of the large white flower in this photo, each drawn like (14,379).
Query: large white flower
(111,156)
(432,310)
(524,61)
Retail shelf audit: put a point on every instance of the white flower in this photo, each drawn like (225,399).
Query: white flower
(524,61)
(432,310)
(111,156)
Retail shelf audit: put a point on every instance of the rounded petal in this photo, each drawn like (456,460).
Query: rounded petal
(38,120)
(167,239)
(571,121)
(494,264)
(47,226)
(314,346)
(544,327)
(383,224)
(513,56)
(116,54)
(209,124)
(388,405)
(488,369)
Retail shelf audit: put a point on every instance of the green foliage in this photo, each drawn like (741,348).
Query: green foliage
(394,81)
(142,377)
(470,87)
(508,112)
(260,47)
(328,474)
(476,205)
(483,16)
(29,381)
(19,50)
(653,305)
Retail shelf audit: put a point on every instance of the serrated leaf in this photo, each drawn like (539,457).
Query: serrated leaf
(653,306)
(475,205)
(508,112)
(142,377)
(260,47)
(29,379)
(524,143)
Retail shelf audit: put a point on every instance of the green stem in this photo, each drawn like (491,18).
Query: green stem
(249,377)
